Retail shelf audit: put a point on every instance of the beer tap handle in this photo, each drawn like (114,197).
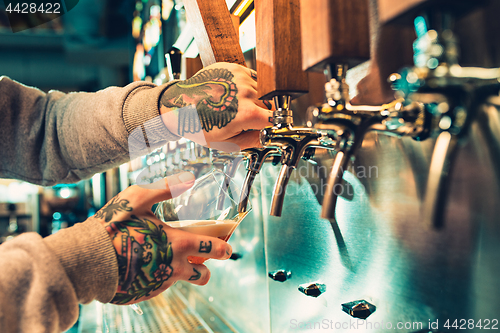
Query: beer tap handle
(213,31)
(279,64)
(278,49)
(333,43)
(174,59)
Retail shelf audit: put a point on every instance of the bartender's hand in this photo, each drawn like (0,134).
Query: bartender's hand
(151,255)
(218,104)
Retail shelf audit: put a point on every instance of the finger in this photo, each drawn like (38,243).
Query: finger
(167,188)
(250,139)
(256,117)
(190,244)
(199,275)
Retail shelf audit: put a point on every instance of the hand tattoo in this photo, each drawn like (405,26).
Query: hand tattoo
(195,276)
(205,247)
(212,92)
(114,206)
(143,251)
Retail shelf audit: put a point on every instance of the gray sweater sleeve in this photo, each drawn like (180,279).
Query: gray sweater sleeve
(60,138)
(43,280)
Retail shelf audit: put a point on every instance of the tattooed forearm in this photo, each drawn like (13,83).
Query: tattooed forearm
(112,207)
(212,92)
(205,247)
(195,276)
(144,257)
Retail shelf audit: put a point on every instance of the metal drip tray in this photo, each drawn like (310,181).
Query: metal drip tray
(168,313)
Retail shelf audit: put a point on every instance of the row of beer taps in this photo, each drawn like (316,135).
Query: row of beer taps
(436,98)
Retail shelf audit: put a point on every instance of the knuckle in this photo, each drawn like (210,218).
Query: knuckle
(220,250)
(244,91)
(182,245)
(249,113)
(206,277)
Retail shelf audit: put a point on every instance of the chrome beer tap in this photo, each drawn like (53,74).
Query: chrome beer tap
(255,159)
(347,125)
(451,95)
(291,142)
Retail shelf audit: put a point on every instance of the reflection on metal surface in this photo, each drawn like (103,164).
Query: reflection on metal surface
(312,289)
(343,251)
(359,309)
(280,275)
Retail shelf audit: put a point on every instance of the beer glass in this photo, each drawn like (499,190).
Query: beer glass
(208,208)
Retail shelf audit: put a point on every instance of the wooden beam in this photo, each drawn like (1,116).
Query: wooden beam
(213,31)
(278,51)
(334,31)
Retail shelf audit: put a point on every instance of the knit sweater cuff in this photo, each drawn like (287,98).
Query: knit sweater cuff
(141,114)
(89,259)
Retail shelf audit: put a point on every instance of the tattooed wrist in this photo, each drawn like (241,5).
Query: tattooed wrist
(214,95)
(112,207)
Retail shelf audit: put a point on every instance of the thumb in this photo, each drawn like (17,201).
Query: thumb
(169,187)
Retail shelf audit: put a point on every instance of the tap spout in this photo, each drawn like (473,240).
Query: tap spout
(437,182)
(280,189)
(293,144)
(334,180)
(256,158)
